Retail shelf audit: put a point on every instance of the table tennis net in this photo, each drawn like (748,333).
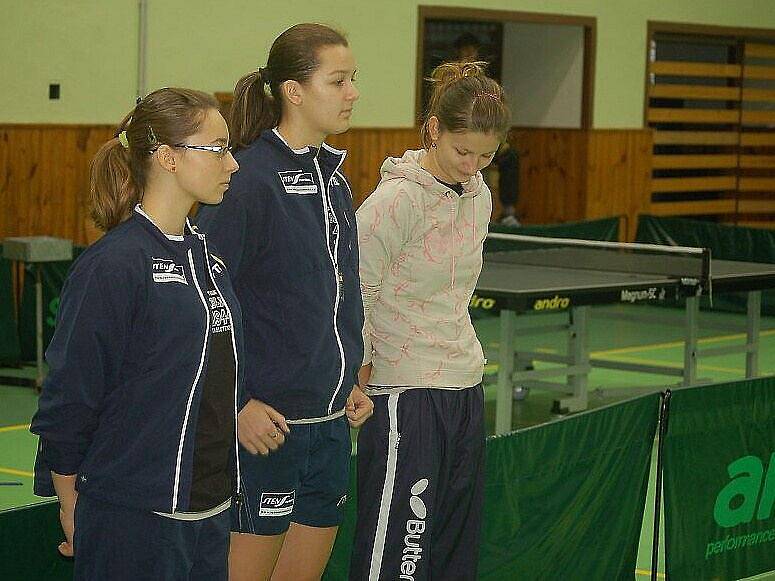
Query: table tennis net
(690,265)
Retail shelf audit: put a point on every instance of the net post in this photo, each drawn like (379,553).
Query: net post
(664,412)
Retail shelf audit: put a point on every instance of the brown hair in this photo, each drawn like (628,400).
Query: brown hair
(119,170)
(293,56)
(464,98)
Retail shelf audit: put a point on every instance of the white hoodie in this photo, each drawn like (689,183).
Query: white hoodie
(420,258)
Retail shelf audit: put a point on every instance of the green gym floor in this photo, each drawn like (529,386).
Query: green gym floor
(610,337)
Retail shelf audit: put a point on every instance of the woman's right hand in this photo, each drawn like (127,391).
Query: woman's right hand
(64,485)
(261,428)
(67,520)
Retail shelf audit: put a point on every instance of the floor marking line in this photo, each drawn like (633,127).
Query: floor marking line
(14,472)
(647,572)
(14,428)
(672,344)
(730,370)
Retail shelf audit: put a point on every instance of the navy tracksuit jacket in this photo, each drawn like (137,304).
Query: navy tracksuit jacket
(127,363)
(286,229)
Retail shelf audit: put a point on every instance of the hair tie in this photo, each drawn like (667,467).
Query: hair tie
(263,76)
(122,139)
(486,94)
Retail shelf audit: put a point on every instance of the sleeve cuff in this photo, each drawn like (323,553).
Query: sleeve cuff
(367,353)
(62,458)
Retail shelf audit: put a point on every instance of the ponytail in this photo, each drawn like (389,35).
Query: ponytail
(252,110)
(113,192)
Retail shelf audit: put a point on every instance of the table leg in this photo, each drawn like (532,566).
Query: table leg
(578,350)
(692,316)
(753,328)
(39,326)
(504,398)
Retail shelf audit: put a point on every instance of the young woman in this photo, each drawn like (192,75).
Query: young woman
(137,418)
(287,230)
(421,458)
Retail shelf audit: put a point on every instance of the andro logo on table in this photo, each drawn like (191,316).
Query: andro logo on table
(737,503)
(480,303)
(553,304)
(276,503)
(414,528)
(298,182)
(165,270)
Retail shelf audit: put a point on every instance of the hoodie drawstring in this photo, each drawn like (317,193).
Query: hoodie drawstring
(454,235)
(473,223)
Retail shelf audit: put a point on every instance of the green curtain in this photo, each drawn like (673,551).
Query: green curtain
(565,500)
(29,537)
(606,229)
(725,243)
(53,276)
(10,353)
(562,501)
(719,481)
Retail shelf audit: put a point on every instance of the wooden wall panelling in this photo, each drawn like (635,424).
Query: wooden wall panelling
(619,176)
(366,150)
(694,69)
(695,137)
(566,175)
(44,186)
(552,174)
(694,208)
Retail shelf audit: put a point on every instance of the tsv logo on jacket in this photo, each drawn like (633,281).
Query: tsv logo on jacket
(276,503)
(298,181)
(165,270)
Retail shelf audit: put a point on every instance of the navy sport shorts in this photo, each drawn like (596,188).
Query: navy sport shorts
(305,481)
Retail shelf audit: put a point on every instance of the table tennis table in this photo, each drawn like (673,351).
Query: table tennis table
(571,280)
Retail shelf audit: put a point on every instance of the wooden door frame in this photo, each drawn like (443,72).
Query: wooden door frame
(588,24)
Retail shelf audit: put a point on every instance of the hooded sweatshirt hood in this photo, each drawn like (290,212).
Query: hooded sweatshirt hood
(408,167)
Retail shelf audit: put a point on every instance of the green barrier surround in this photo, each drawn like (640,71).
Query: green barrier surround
(606,229)
(29,537)
(10,353)
(565,500)
(719,481)
(53,276)
(562,501)
(725,243)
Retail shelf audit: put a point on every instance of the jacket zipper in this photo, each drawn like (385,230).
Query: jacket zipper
(337,273)
(193,386)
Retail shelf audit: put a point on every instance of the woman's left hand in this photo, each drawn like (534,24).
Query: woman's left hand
(359,407)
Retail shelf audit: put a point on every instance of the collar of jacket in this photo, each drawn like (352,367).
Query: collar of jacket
(327,156)
(172,242)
